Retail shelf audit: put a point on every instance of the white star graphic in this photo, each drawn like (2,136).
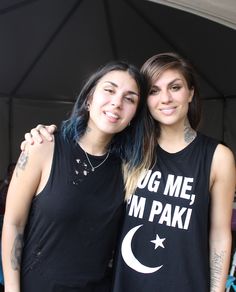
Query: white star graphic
(158,241)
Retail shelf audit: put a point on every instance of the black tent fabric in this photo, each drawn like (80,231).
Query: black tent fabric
(49,47)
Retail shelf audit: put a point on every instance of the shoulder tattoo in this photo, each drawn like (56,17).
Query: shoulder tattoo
(22,161)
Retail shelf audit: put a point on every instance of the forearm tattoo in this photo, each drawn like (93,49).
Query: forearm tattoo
(16,252)
(217,260)
(189,133)
(22,161)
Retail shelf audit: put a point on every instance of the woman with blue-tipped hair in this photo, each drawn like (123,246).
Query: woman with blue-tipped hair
(65,199)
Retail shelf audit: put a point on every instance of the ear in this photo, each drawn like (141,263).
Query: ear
(89,101)
(191,91)
(87,106)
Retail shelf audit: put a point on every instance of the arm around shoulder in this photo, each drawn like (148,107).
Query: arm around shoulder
(38,134)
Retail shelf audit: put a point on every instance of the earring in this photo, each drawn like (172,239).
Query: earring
(87,106)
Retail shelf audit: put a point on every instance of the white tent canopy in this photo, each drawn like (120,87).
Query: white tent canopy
(223,12)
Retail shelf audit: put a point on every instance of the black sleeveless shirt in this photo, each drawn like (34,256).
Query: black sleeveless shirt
(165,239)
(73,223)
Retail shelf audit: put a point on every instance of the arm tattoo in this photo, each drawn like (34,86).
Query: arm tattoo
(22,161)
(189,133)
(217,260)
(16,252)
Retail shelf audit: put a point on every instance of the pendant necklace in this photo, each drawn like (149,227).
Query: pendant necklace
(94,167)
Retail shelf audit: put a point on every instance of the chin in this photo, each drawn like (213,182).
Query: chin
(109,131)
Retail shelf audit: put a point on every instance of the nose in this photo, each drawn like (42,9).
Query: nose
(166,96)
(116,100)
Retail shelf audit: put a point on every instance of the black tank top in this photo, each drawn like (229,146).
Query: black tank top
(72,226)
(165,239)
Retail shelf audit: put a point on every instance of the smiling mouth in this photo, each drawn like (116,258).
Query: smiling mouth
(168,111)
(112,116)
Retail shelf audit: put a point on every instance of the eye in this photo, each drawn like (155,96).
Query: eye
(109,90)
(129,98)
(154,91)
(175,87)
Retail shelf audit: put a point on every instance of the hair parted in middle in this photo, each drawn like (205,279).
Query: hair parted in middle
(127,144)
(152,69)
(160,63)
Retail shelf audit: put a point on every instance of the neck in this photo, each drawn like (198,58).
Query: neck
(173,139)
(94,144)
(189,133)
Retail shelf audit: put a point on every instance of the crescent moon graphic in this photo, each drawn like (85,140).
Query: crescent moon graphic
(129,257)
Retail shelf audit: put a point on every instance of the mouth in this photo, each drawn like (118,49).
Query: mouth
(168,111)
(112,116)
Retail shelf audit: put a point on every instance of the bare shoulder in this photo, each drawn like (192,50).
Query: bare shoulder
(40,149)
(223,164)
(35,154)
(224,155)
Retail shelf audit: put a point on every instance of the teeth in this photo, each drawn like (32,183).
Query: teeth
(109,114)
(168,111)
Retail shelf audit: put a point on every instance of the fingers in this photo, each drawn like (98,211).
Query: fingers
(42,131)
(28,139)
(36,135)
(51,129)
(22,145)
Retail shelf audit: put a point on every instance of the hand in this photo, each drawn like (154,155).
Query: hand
(36,134)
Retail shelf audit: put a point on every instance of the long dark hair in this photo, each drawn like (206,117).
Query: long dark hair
(123,143)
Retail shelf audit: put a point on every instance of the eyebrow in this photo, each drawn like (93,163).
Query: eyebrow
(171,82)
(115,85)
(176,79)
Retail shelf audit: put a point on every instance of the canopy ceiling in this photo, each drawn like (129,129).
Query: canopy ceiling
(49,47)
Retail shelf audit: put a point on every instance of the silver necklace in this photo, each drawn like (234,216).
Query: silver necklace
(94,167)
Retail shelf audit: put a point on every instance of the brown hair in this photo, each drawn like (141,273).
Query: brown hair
(152,69)
(157,64)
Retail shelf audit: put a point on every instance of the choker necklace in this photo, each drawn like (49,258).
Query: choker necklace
(94,167)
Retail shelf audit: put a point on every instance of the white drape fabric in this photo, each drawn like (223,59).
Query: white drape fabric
(223,12)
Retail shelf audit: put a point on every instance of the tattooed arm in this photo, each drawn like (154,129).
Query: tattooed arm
(222,193)
(28,179)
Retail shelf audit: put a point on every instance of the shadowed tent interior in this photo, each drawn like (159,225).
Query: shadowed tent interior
(49,47)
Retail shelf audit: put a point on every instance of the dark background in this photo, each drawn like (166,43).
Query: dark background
(48,48)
